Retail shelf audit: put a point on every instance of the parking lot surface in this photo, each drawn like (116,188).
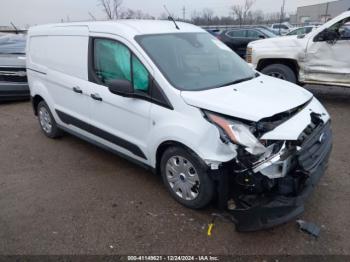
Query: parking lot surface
(69,197)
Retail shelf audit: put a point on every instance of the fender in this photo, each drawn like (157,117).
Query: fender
(207,145)
(37,87)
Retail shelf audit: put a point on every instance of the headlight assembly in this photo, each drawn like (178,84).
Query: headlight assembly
(237,133)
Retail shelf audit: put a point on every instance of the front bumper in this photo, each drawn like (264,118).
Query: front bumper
(280,206)
(14,91)
(278,210)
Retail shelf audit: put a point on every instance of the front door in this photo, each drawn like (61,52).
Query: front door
(329,61)
(122,123)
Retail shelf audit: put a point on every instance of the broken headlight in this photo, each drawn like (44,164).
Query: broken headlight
(237,133)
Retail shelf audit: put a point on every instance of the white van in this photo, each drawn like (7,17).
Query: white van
(183,104)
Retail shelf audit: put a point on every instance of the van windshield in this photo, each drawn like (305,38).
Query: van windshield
(195,61)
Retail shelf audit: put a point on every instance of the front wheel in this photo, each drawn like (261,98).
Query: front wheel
(186,178)
(280,71)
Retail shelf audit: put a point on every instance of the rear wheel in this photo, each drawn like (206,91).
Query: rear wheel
(47,122)
(280,71)
(186,178)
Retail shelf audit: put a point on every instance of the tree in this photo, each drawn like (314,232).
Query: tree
(134,14)
(128,14)
(207,14)
(241,12)
(248,4)
(273,17)
(111,8)
(258,17)
(237,11)
(116,7)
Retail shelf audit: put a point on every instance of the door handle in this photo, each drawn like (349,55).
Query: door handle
(77,89)
(96,97)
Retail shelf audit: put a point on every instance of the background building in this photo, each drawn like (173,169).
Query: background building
(319,10)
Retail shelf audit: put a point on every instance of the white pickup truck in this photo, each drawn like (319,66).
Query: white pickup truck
(320,57)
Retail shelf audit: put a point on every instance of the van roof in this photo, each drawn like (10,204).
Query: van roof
(122,27)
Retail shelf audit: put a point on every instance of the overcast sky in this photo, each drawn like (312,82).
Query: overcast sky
(30,12)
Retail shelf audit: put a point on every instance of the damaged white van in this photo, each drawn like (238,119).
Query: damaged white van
(176,100)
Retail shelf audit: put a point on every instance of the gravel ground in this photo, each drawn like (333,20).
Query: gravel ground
(68,197)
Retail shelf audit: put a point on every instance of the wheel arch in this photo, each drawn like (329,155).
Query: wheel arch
(195,141)
(35,102)
(163,147)
(291,63)
(39,92)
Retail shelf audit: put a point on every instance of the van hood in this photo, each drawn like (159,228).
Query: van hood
(252,100)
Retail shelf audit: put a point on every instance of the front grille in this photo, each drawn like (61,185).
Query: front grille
(10,74)
(315,147)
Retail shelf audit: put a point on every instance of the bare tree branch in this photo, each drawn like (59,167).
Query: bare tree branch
(111,8)
(236,17)
(208,14)
(237,11)
(242,12)
(247,6)
(116,8)
(106,7)
(134,14)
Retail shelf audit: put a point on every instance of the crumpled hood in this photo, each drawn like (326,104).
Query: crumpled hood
(283,42)
(252,100)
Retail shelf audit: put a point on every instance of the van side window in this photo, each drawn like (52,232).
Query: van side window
(140,75)
(112,60)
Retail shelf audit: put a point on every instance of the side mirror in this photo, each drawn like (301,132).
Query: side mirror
(262,37)
(120,87)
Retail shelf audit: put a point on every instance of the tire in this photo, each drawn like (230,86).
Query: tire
(47,122)
(280,71)
(192,177)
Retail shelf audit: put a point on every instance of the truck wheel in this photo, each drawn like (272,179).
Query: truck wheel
(47,122)
(186,177)
(280,71)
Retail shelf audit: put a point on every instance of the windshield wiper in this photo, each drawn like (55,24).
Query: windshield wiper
(241,80)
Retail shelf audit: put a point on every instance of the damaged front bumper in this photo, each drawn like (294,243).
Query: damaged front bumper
(284,199)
